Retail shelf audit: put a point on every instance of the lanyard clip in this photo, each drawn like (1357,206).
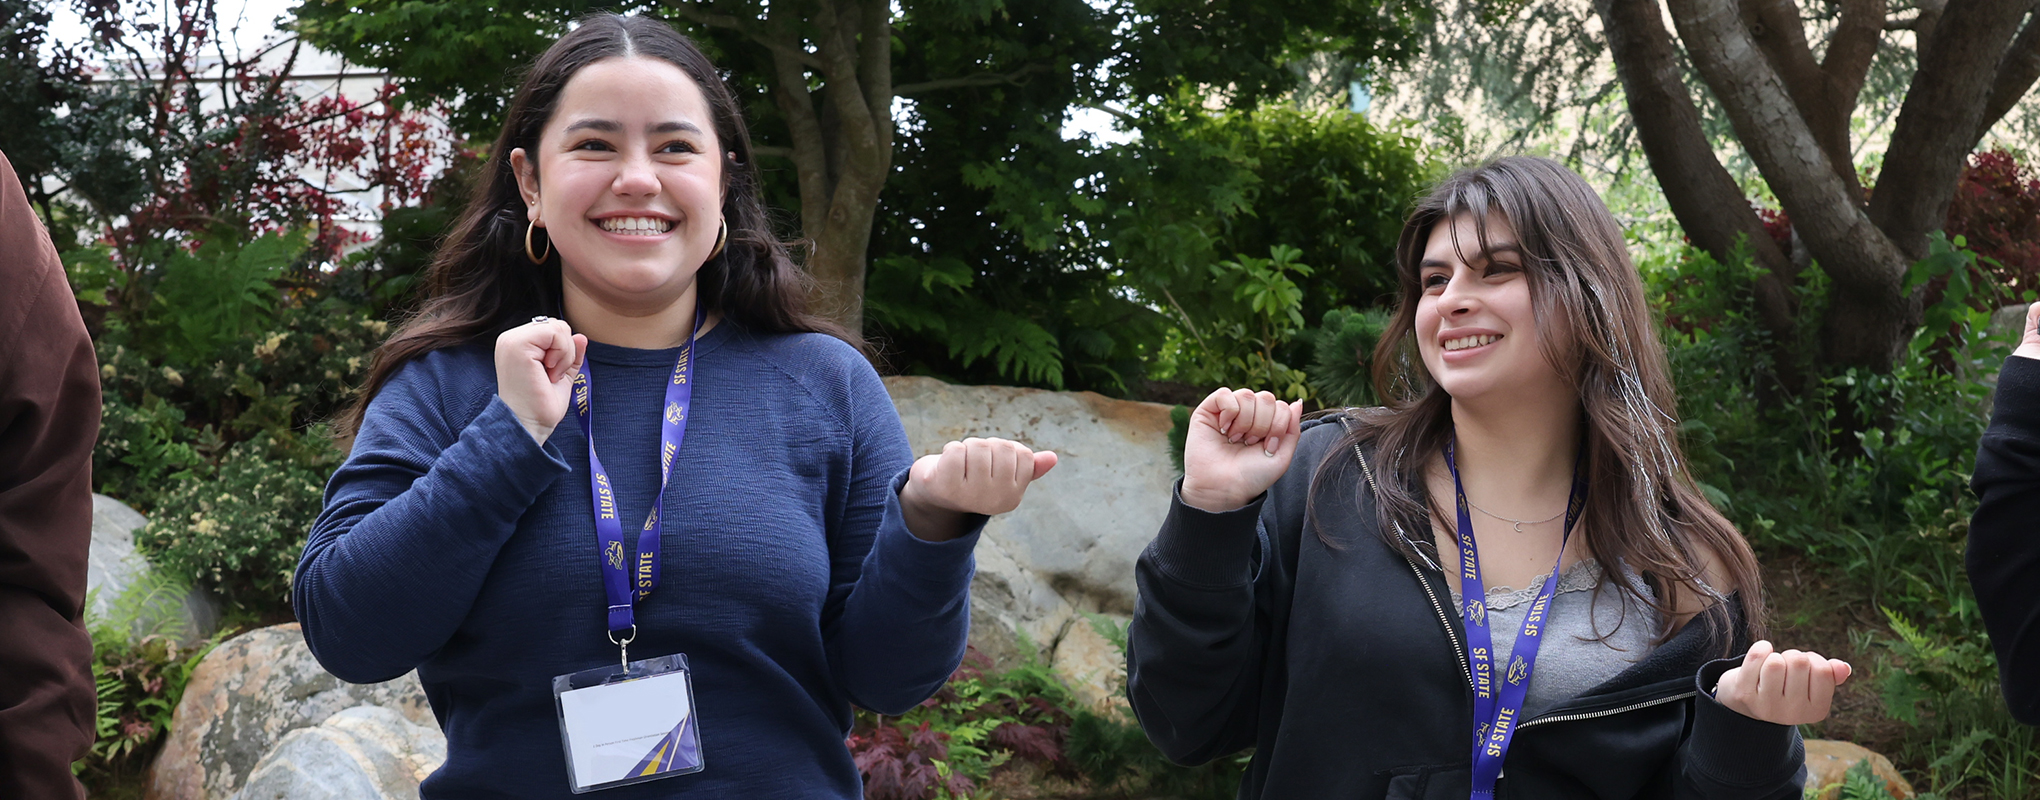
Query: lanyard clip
(624,645)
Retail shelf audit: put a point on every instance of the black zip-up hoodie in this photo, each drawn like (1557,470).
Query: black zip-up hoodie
(2004,539)
(1345,669)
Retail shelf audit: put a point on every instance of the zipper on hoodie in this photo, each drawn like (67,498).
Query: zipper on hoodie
(1656,701)
(1458,650)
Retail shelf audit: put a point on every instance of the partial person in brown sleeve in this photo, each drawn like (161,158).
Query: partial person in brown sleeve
(49,419)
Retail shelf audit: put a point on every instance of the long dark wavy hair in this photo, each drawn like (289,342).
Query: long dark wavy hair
(1643,509)
(481,283)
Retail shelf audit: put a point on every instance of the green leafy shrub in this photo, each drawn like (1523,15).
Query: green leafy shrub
(1341,369)
(210,421)
(1944,684)
(983,723)
(140,667)
(1865,475)
(165,420)
(240,529)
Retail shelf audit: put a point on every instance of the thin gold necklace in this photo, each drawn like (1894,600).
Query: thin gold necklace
(1519,523)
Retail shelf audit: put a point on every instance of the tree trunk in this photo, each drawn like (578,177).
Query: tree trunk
(1705,198)
(1945,103)
(842,133)
(1866,267)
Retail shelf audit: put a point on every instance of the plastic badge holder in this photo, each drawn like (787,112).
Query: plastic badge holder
(628,724)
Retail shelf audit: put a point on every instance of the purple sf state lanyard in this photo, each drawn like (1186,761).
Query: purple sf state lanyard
(621,567)
(1498,710)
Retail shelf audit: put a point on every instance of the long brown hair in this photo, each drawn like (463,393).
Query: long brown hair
(481,283)
(1643,509)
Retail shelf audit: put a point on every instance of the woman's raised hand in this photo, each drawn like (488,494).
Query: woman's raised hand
(1789,688)
(974,476)
(1240,441)
(2029,344)
(535,368)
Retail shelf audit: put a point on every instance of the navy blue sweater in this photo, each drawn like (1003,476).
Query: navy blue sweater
(453,544)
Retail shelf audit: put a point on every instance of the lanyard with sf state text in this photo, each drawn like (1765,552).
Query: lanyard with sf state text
(630,573)
(1498,708)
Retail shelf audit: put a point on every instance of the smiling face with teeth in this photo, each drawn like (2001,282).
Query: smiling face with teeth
(627,184)
(1475,326)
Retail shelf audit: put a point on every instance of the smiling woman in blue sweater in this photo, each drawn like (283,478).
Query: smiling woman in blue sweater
(617,267)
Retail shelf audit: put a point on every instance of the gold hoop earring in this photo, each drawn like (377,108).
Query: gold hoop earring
(722,239)
(535,258)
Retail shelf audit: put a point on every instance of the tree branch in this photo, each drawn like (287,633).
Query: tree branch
(1851,49)
(966,81)
(781,47)
(837,48)
(1119,113)
(1776,28)
(1778,139)
(874,66)
(1942,108)
(803,124)
(1705,198)
(2016,74)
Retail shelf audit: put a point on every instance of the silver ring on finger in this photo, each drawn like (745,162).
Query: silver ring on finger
(540,319)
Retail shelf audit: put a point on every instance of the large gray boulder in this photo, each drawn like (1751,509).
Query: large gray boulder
(361,753)
(120,581)
(252,692)
(1070,547)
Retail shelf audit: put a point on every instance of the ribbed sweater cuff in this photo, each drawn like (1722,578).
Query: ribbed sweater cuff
(511,464)
(1200,548)
(945,563)
(1735,750)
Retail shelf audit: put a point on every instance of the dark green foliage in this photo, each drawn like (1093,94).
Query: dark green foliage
(983,723)
(240,529)
(1205,191)
(472,51)
(997,251)
(222,450)
(1118,757)
(204,301)
(1344,354)
(139,670)
(38,76)
(1884,510)
(1244,48)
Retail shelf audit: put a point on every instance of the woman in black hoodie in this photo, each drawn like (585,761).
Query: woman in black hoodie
(1530,441)
(2004,541)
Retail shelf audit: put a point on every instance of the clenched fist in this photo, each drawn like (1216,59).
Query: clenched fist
(1240,441)
(2029,344)
(974,476)
(1789,688)
(535,368)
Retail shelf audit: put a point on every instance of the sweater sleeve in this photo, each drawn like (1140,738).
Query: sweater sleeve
(413,520)
(2004,543)
(49,418)
(1733,757)
(899,615)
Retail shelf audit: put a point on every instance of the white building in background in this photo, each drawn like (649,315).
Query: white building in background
(310,73)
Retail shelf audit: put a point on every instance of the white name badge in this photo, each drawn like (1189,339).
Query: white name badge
(628,724)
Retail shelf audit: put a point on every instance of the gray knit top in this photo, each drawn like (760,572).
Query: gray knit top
(1575,656)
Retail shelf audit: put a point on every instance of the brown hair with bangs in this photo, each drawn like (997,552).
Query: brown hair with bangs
(1643,509)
